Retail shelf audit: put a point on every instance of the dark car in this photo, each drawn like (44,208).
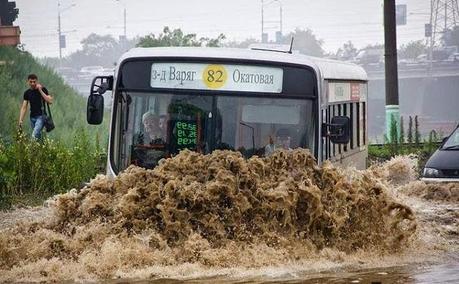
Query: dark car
(443,166)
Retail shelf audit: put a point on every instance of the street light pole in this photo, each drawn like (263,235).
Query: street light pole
(59,27)
(263,4)
(281,12)
(124,12)
(391,69)
(262,20)
(59,30)
(124,18)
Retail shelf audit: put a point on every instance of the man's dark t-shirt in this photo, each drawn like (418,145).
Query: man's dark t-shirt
(35,100)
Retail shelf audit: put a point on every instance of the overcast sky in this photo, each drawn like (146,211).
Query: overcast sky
(333,21)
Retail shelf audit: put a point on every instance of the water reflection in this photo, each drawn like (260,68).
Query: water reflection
(432,274)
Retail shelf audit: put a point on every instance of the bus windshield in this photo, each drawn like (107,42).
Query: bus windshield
(159,125)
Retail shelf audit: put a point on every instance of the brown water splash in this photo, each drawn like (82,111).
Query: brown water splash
(448,192)
(218,210)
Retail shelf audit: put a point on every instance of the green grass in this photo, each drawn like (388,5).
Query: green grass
(382,153)
(40,169)
(67,157)
(68,109)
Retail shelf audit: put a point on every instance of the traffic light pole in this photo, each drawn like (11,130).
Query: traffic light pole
(391,70)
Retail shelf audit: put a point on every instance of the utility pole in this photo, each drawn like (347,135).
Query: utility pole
(59,30)
(124,19)
(262,20)
(264,36)
(124,13)
(444,17)
(391,71)
(280,17)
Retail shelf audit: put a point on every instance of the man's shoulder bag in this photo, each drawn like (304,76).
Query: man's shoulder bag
(48,118)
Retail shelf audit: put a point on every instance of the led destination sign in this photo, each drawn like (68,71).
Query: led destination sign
(225,77)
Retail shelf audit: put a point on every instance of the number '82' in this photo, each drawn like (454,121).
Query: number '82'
(215,76)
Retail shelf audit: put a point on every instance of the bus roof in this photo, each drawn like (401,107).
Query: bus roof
(329,69)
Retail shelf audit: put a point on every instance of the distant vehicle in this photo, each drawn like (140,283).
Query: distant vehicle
(92,69)
(107,71)
(422,58)
(85,75)
(443,166)
(370,56)
(249,101)
(454,57)
(67,73)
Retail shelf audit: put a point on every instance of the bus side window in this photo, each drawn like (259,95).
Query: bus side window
(346,113)
(357,112)
(352,117)
(362,124)
(327,139)
(364,110)
(323,114)
(340,112)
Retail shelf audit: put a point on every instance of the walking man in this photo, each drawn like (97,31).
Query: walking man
(36,95)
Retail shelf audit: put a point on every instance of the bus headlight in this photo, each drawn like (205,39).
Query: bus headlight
(430,172)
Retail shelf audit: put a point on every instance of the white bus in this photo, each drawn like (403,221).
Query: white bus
(252,101)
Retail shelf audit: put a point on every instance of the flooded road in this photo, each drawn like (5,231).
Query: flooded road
(420,274)
(223,219)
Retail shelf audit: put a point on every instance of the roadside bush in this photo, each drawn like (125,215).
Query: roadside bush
(421,147)
(44,168)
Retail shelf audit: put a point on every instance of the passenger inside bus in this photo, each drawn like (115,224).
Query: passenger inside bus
(283,140)
(155,128)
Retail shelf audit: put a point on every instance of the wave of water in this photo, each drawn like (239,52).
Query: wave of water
(199,216)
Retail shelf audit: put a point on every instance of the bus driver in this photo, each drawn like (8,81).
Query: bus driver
(155,128)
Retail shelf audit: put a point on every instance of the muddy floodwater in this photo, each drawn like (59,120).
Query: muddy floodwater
(221,218)
(424,274)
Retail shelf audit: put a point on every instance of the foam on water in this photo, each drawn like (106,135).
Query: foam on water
(219,214)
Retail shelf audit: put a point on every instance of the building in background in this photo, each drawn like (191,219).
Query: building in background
(9,34)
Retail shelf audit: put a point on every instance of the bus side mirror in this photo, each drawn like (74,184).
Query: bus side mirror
(95,107)
(339,130)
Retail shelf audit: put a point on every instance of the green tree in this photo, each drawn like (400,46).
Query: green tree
(96,49)
(412,49)
(242,44)
(347,51)
(417,134)
(98,45)
(305,41)
(8,12)
(393,137)
(176,37)
(402,131)
(410,131)
(375,46)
